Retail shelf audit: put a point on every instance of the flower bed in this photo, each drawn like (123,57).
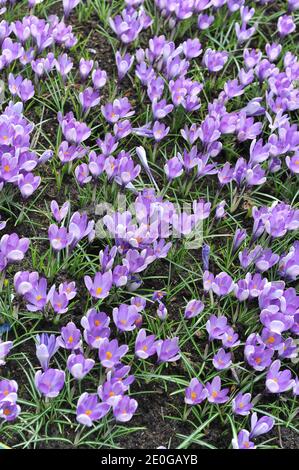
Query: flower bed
(149,258)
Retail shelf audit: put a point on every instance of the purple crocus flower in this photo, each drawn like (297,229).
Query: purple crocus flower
(168,350)
(81,227)
(215,394)
(293,163)
(37,297)
(276,321)
(79,366)
(89,409)
(162,312)
(124,409)
(5,347)
(230,339)
(222,359)
(296,386)
(59,214)
(289,264)
(216,326)
(271,339)
(69,289)
(273,51)
(195,393)
(26,90)
(158,295)
(59,238)
(192,48)
(285,25)
(234,5)
(24,281)
(63,65)
(12,249)
(58,300)
(145,346)
(243,441)
(119,374)
(126,171)
(214,60)
(110,392)
(120,275)
(82,174)
(266,259)
(241,290)
(293,5)
(259,357)
(22,88)
(119,109)
(85,67)
(288,349)
(129,24)
(100,286)
(89,98)
(125,317)
(243,33)
(160,131)
(226,174)
(139,302)
(241,404)
(239,237)
(220,211)
(173,168)
(68,6)
(161,109)
(205,21)
(8,391)
(70,337)
(67,153)
(222,284)
(50,383)
(190,134)
(123,63)
(110,353)
(9,411)
(193,308)
(255,284)
(205,254)
(248,257)
(278,381)
(46,347)
(99,78)
(261,425)
(94,336)
(95,319)
(74,131)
